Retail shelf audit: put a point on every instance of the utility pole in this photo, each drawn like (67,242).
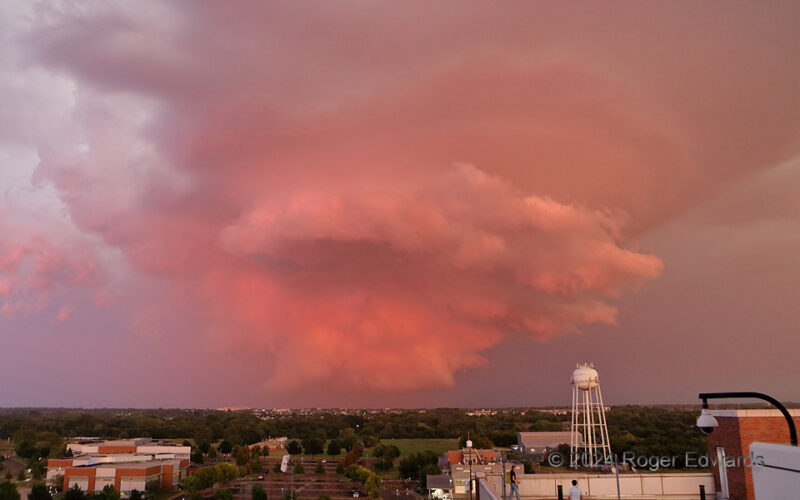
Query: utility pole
(469,453)
(504,476)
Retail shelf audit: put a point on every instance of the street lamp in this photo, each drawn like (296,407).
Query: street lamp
(469,453)
(707,423)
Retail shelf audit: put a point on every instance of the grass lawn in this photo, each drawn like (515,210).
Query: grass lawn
(410,446)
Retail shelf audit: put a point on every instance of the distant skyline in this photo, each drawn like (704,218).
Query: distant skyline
(414,205)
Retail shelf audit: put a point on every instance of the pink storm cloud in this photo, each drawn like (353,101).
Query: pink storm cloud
(373,197)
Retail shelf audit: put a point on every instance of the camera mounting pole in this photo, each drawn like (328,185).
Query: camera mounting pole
(705,396)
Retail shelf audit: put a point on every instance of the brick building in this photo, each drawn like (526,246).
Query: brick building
(729,446)
(128,476)
(127,465)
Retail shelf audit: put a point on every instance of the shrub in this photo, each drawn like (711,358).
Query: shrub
(384,464)
(74,493)
(8,491)
(259,493)
(334,447)
(223,495)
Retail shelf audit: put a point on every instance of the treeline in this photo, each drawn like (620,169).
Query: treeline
(643,430)
(241,427)
(648,431)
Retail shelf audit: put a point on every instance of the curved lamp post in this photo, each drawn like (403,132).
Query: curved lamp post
(705,396)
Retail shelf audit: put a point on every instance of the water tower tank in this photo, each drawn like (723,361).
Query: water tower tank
(585,378)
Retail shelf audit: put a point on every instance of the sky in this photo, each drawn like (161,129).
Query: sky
(367,204)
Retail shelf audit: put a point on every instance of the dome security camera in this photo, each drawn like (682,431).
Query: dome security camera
(706,422)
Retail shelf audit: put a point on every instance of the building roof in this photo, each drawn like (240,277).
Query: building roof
(547,439)
(440,481)
(483,456)
(138,465)
(765,412)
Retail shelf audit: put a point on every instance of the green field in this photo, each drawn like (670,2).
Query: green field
(410,446)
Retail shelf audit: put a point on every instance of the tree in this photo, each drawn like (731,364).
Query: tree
(223,495)
(340,468)
(353,455)
(370,440)
(225,447)
(203,434)
(39,492)
(255,451)
(313,446)
(186,443)
(136,495)
(392,451)
(255,465)
(319,469)
(108,493)
(21,476)
(277,467)
(428,470)
(410,465)
(226,472)
(212,452)
(74,493)
(57,481)
(259,493)
(294,448)
(241,454)
(197,456)
(25,449)
(204,446)
(152,488)
(370,480)
(299,469)
(334,447)
(348,438)
(373,485)
(545,425)
(384,464)
(8,491)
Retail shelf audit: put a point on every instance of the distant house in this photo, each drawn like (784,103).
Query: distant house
(541,443)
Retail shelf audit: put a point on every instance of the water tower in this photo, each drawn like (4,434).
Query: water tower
(588,420)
